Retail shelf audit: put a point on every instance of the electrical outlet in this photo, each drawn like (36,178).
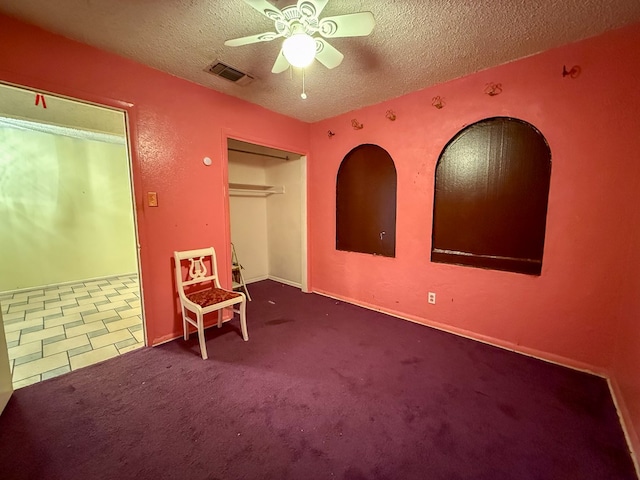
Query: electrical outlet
(432,298)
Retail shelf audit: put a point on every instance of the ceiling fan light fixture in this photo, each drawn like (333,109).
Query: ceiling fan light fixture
(305,33)
(299,49)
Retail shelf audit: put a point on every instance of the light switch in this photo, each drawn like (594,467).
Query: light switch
(152,199)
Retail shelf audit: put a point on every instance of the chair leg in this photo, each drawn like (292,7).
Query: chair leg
(201,339)
(243,320)
(185,324)
(220,318)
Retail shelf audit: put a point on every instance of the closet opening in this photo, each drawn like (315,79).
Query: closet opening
(267,215)
(70,277)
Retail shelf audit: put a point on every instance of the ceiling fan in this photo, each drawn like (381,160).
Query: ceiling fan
(298,24)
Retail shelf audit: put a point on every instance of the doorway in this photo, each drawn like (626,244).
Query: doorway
(69,287)
(267,212)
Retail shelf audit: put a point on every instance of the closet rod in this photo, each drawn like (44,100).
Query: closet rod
(260,154)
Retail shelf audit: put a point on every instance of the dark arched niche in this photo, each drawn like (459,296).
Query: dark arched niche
(491,194)
(366,202)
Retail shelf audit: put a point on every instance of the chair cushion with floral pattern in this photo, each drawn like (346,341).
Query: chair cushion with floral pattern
(211,296)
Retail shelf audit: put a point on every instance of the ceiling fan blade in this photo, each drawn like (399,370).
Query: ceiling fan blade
(311,8)
(281,64)
(260,37)
(266,9)
(327,54)
(351,25)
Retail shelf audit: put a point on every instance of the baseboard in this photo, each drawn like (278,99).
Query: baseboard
(512,347)
(70,282)
(192,331)
(256,279)
(495,342)
(630,434)
(286,282)
(275,279)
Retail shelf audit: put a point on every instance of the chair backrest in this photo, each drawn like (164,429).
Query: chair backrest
(201,266)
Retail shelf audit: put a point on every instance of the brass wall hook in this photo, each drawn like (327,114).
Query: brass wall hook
(493,89)
(573,73)
(391,115)
(437,102)
(356,125)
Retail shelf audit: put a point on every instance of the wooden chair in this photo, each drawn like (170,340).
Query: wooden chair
(200,293)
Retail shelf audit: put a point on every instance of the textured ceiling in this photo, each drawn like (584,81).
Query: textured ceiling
(415,43)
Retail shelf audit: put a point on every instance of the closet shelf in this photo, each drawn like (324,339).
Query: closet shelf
(250,190)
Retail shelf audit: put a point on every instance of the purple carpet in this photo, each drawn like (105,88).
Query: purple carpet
(322,390)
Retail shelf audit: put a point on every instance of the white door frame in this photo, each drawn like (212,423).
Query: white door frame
(4,391)
(6,383)
(304,248)
(304,268)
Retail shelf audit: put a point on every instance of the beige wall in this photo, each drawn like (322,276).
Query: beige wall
(284,221)
(248,216)
(65,210)
(266,231)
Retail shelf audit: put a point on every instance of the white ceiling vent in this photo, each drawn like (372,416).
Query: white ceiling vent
(229,73)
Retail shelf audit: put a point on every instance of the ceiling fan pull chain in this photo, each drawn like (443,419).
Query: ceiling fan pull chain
(303,95)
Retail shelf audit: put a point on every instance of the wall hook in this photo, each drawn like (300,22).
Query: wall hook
(573,73)
(493,89)
(356,125)
(330,134)
(437,102)
(391,115)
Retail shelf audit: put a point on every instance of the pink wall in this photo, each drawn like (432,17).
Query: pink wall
(591,124)
(174,125)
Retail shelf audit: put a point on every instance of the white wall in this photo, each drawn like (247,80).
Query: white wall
(249,216)
(66,212)
(284,222)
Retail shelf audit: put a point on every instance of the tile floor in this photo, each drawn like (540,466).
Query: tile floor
(60,328)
